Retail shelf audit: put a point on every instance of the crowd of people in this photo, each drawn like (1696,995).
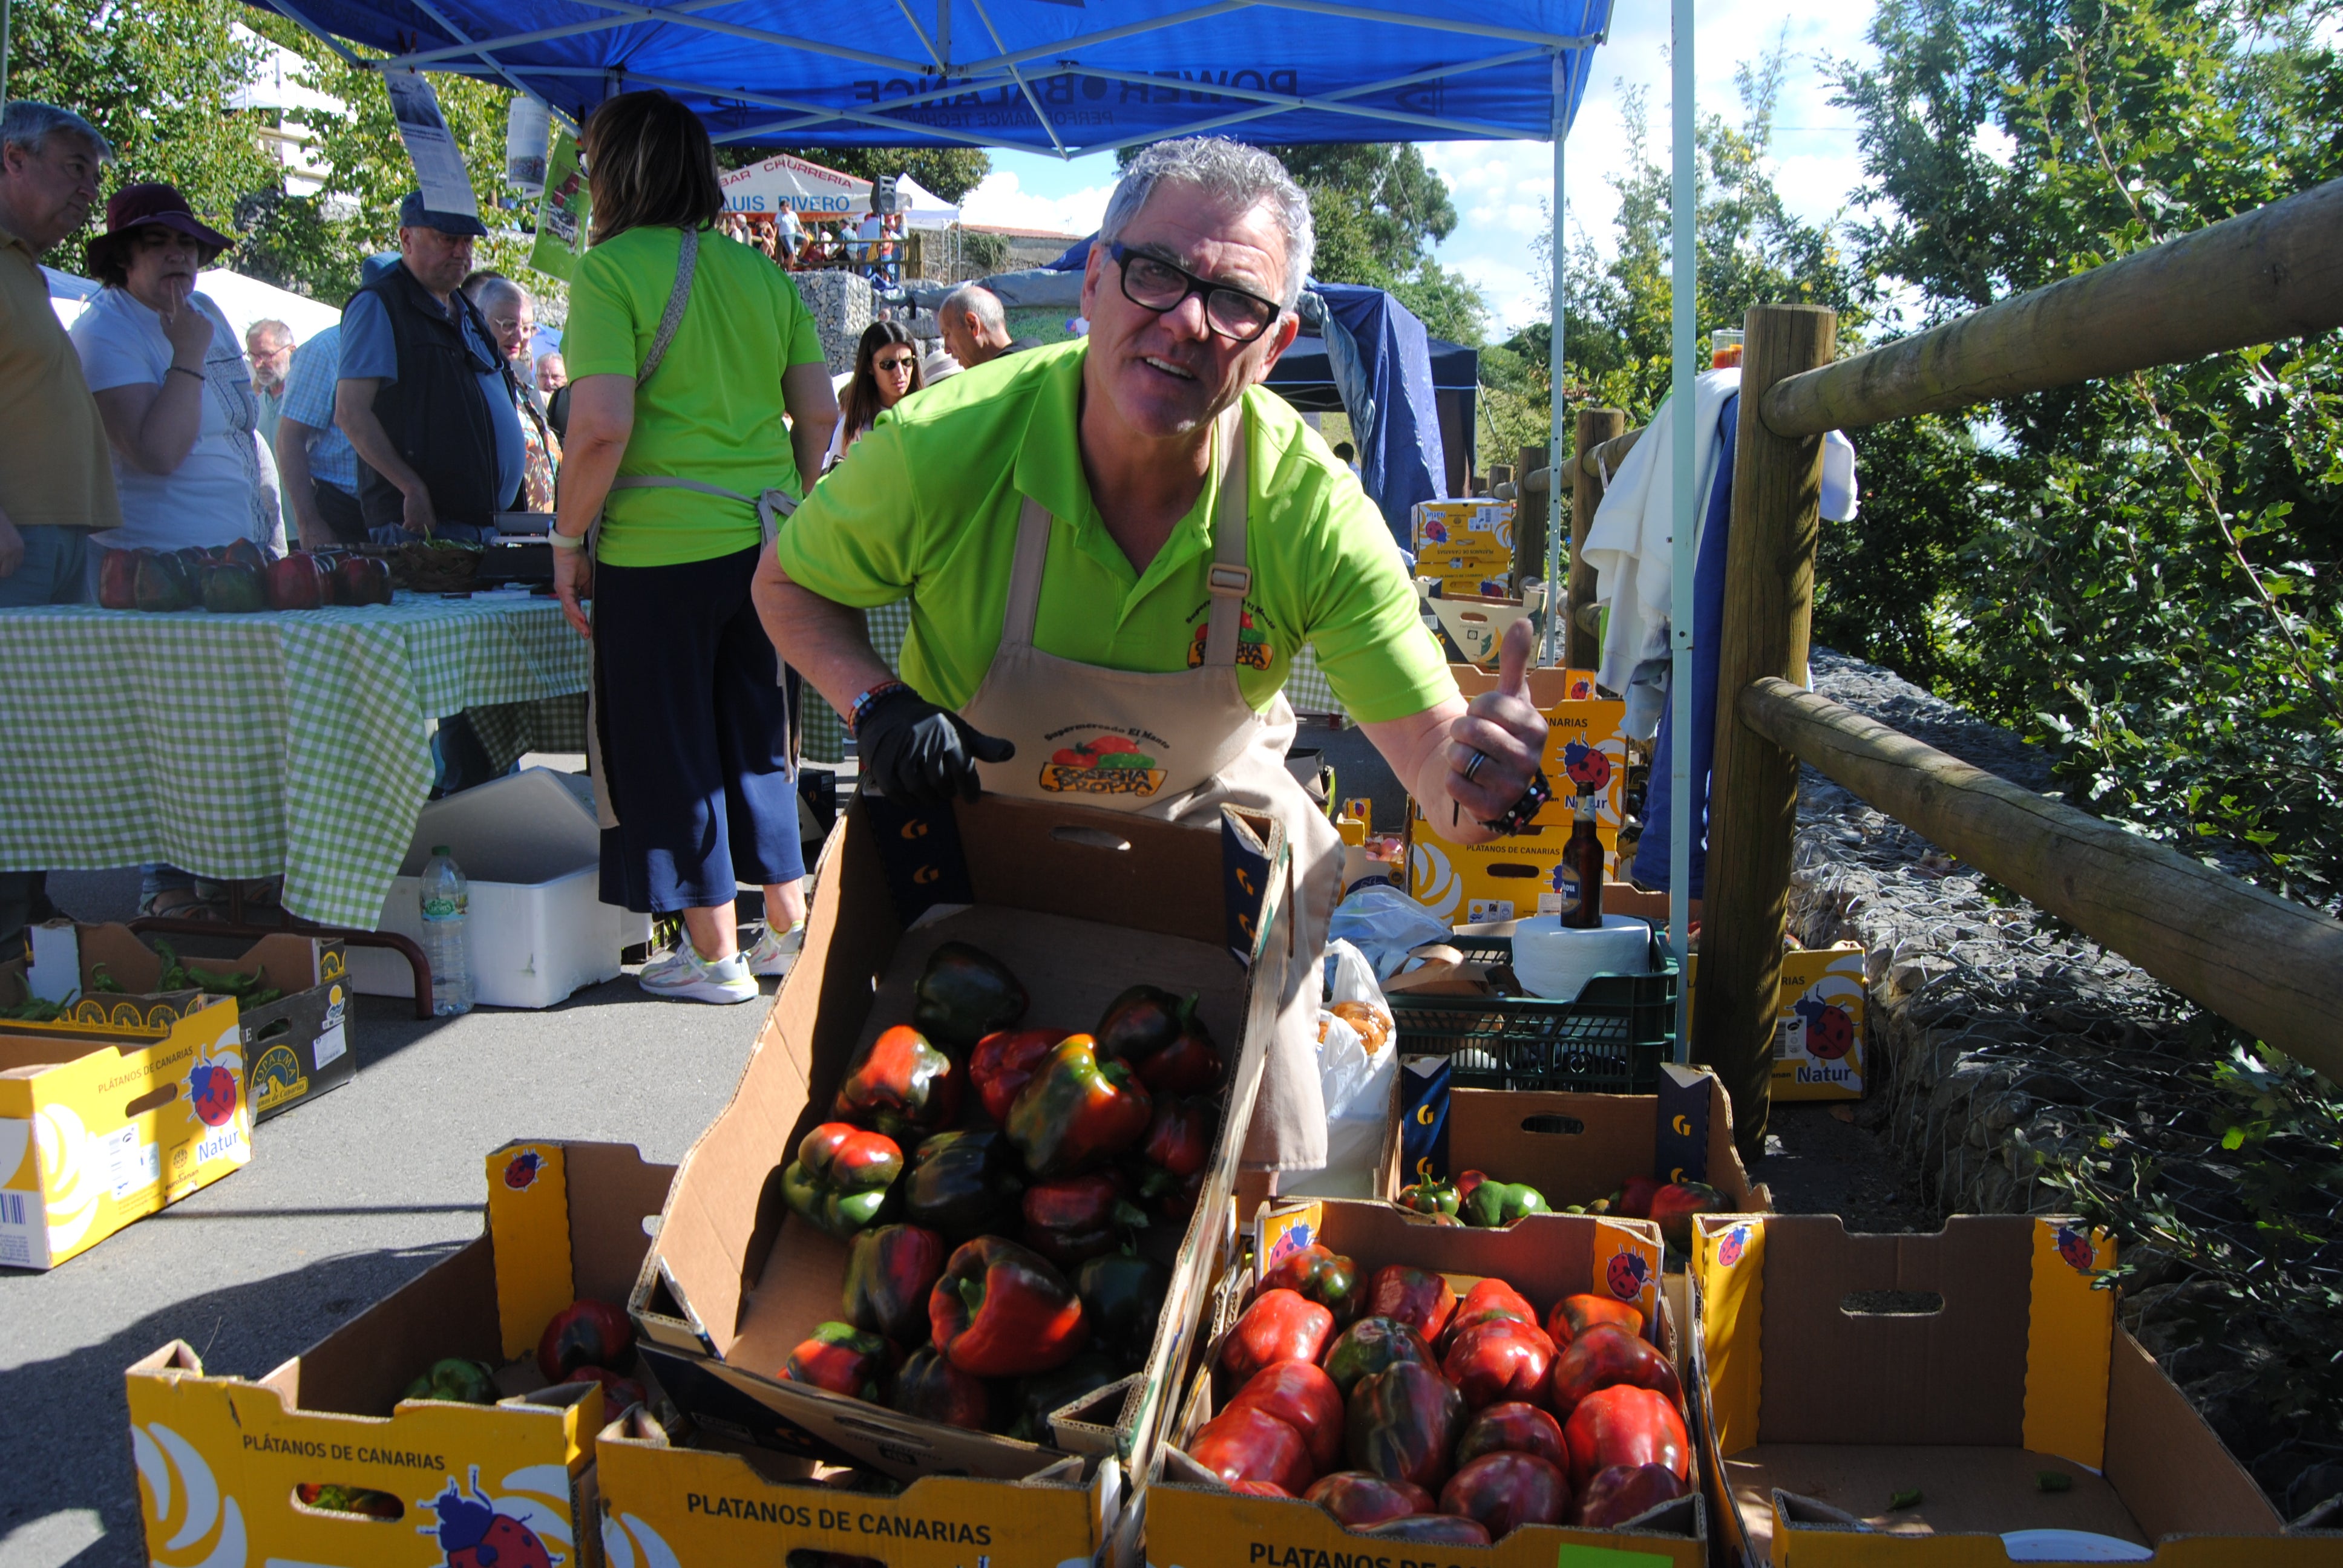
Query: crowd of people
(874,243)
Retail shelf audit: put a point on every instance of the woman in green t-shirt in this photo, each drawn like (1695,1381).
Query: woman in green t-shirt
(685,350)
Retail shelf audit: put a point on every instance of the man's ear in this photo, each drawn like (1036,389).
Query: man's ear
(1281,339)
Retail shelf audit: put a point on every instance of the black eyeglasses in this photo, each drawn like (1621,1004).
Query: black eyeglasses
(1153,284)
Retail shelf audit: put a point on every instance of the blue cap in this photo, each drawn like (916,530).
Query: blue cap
(413,214)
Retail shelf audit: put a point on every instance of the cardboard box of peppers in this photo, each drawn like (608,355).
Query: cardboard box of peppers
(993,1211)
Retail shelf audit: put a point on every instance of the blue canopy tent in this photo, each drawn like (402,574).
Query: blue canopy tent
(1060,77)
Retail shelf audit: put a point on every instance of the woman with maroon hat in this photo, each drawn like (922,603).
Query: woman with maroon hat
(172,384)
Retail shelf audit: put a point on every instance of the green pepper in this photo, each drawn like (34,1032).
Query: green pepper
(1429,1198)
(964,1185)
(841,1177)
(900,1085)
(1075,1110)
(163,584)
(232,588)
(1122,1296)
(1491,1203)
(964,994)
(888,1273)
(456,1378)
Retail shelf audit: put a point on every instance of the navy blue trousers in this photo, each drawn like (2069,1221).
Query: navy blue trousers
(695,738)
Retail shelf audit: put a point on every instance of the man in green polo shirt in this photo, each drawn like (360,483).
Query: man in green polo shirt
(1113,548)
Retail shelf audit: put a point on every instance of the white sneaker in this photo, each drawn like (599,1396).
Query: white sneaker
(684,976)
(774,956)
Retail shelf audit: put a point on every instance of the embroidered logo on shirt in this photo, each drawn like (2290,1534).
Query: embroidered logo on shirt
(1103,765)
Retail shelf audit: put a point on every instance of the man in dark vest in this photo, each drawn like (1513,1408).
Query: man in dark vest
(421,395)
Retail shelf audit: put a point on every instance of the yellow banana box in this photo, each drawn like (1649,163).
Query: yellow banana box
(1963,1400)
(336,1457)
(1819,1039)
(96,1132)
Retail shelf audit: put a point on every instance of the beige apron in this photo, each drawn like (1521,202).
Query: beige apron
(1177,747)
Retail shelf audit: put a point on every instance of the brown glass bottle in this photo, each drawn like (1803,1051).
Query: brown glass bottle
(1582,861)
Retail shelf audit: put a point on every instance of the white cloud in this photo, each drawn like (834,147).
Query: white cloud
(1002,200)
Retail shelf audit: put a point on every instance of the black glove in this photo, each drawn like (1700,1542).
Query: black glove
(917,754)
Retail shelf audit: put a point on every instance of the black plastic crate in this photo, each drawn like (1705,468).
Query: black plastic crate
(1611,1041)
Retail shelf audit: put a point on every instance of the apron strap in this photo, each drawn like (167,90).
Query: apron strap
(1230,577)
(1023,608)
(772,506)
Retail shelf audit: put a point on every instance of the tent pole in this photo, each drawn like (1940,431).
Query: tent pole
(4,53)
(1556,545)
(1684,241)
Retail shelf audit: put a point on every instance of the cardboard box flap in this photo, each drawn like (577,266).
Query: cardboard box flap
(1981,1491)
(2168,1463)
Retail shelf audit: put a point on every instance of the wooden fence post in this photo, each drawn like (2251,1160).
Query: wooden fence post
(1595,426)
(1529,519)
(1753,798)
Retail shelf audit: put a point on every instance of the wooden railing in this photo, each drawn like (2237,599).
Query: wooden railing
(2268,965)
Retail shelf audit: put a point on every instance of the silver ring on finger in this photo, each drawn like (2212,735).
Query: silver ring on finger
(1472,767)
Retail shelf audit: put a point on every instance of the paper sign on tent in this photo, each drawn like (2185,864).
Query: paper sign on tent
(430,146)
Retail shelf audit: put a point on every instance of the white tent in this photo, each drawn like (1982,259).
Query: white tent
(808,189)
(241,299)
(921,207)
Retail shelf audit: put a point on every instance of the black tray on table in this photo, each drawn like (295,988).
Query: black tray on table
(1611,1041)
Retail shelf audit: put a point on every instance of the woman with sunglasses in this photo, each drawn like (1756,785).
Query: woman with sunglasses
(1114,550)
(886,371)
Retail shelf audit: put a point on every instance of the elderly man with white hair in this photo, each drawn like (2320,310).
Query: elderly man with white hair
(1114,548)
(975,328)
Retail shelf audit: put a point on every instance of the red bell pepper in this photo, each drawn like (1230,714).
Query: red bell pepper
(1077,1109)
(842,1178)
(1500,1361)
(1430,1529)
(1512,1426)
(117,578)
(295,581)
(619,1394)
(930,1388)
(581,1334)
(1674,1205)
(1162,1036)
(1260,1489)
(1624,1425)
(362,580)
(1621,1491)
(1279,1326)
(1634,1196)
(1573,1315)
(1320,1275)
(1504,1491)
(888,1273)
(1606,1356)
(844,1360)
(1402,1424)
(1178,1143)
(1358,1499)
(1248,1443)
(1303,1398)
(900,1085)
(1416,1297)
(1178,1203)
(1076,1217)
(1370,1345)
(1003,1060)
(1002,1311)
(1491,1301)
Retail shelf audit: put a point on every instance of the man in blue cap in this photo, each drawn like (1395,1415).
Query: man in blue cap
(421,394)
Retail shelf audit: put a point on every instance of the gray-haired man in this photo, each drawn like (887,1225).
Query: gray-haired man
(975,328)
(1141,537)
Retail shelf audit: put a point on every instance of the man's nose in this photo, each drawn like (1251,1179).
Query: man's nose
(1187,319)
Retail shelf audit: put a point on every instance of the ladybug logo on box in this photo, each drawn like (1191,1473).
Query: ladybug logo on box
(1735,1242)
(521,1169)
(1829,1032)
(1626,1274)
(474,1534)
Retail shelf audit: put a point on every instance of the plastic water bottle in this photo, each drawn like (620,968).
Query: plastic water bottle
(446,938)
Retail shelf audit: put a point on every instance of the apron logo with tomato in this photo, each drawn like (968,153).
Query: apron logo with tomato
(1102,765)
(1252,646)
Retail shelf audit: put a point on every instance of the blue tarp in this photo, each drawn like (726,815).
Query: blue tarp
(1048,75)
(1393,410)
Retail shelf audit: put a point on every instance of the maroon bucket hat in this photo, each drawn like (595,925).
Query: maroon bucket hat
(134,207)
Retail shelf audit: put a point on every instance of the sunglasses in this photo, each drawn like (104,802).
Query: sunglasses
(1153,284)
(904,365)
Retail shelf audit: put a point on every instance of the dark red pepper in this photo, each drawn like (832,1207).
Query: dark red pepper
(1674,1205)
(297,581)
(844,1360)
(1003,1060)
(1305,1399)
(900,1085)
(1489,1302)
(1416,1297)
(1159,1034)
(1370,1345)
(964,994)
(1619,1493)
(619,1394)
(930,1388)
(1495,1361)
(1076,1111)
(581,1334)
(963,1185)
(1573,1315)
(1076,1217)
(117,578)
(232,588)
(362,580)
(1320,1275)
(161,584)
(1635,1197)
(1279,1326)
(1503,1492)
(1178,1143)
(245,553)
(1605,1356)
(1403,1422)
(1247,1443)
(1624,1425)
(890,1273)
(1359,1499)
(1514,1426)
(1003,1311)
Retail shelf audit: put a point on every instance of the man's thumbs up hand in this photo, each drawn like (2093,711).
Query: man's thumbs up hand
(1493,749)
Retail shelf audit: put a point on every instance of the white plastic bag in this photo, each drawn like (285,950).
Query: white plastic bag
(1358,1050)
(1384,925)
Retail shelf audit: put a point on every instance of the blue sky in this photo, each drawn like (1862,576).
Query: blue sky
(1498,187)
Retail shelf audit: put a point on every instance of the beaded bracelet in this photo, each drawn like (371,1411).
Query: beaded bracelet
(1519,815)
(869,700)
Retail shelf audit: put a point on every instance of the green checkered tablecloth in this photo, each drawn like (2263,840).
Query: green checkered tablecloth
(825,733)
(250,745)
